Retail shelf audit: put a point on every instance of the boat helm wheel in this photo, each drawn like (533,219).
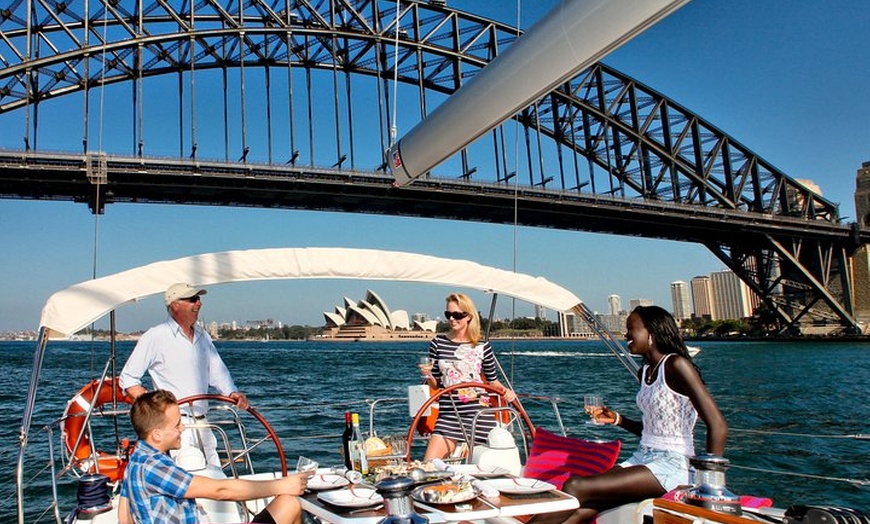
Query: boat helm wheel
(76,435)
(427,422)
(270,433)
(419,417)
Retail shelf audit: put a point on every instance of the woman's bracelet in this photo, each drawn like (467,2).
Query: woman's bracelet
(618,419)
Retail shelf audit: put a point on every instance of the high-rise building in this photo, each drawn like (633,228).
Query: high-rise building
(732,298)
(615,304)
(615,324)
(702,297)
(540,311)
(570,325)
(680,301)
(633,303)
(861,258)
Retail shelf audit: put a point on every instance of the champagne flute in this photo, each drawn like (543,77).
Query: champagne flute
(594,406)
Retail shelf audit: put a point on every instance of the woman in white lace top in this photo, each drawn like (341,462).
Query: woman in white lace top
(672,397)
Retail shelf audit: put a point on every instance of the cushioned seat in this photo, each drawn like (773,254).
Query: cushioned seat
(553,458)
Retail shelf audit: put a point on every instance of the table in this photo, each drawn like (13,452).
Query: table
(487,510)
(673,512)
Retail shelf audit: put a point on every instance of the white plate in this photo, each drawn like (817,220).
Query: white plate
(519,486)
(327,481)
(360,498)
(477,471)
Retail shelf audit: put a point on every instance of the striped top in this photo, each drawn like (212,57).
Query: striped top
(456,363)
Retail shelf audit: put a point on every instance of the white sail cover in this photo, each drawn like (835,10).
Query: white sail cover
(75,307)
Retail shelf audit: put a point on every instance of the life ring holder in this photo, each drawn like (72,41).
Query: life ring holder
(254,413)
(441,392)
(83,458)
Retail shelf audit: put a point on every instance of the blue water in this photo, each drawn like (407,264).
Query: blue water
(792,394)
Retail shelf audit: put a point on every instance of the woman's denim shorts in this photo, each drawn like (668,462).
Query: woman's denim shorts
(671,469)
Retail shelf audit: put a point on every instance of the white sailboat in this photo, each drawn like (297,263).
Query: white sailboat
(250,452)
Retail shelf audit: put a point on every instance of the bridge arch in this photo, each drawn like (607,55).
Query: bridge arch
(601,137)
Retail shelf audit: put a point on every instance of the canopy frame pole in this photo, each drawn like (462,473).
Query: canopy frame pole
(622,354)
(30,403)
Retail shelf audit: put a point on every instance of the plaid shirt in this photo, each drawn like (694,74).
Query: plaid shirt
(155,487)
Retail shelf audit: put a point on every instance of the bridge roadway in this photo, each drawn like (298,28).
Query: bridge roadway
(62,176)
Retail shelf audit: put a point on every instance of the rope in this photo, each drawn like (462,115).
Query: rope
(855,482)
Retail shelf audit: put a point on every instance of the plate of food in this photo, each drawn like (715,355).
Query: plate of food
(519,486)
(421,472)
(356,498)
(481,472)
(445,493)
(326,481)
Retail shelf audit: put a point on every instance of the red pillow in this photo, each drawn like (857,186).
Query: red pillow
(554,458)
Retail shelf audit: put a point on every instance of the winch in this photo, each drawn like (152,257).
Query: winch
(396,491)
(709,489)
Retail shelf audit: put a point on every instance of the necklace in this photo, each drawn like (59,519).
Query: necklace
(652,371)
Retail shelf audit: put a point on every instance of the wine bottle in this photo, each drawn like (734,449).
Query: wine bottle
(346,437)
(358,447)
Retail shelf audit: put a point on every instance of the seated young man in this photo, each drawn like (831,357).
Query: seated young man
(157,491)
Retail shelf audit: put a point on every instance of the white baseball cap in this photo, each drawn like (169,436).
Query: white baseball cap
(179,291)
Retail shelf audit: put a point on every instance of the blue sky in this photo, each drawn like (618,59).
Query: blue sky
(787,79)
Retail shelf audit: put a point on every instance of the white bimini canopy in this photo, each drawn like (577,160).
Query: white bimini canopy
(71,309)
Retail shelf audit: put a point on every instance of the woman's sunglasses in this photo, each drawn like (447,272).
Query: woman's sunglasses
(455,315)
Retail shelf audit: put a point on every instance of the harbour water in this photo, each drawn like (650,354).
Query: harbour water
(794,409)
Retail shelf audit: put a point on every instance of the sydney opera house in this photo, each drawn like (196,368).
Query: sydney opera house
(371,319)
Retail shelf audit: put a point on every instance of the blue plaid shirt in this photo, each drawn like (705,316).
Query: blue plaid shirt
(154,486)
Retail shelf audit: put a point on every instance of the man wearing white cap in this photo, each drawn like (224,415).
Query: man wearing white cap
(180,357)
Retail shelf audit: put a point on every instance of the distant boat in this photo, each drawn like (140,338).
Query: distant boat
(693,351)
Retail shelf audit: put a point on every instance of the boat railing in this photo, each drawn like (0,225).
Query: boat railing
(236,443)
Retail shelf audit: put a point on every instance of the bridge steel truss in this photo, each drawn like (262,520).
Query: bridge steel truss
(602,152)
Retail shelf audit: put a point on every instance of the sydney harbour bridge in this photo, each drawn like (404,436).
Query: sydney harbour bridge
(292,103)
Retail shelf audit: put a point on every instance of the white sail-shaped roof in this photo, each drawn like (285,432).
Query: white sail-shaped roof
(77,306)
(400,319)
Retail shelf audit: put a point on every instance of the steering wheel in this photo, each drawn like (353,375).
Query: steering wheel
(437,396)
(271,435)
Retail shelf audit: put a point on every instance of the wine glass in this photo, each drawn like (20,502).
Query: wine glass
(426,364)
(305,465)
(594,406)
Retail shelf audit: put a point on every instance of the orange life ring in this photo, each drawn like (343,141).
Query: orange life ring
(73,430)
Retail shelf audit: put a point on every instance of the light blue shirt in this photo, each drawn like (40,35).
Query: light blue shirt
(178,365)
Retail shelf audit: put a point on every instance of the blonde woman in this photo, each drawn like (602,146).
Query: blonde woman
(460,356)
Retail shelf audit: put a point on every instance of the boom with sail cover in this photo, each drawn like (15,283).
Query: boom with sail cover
(572,37)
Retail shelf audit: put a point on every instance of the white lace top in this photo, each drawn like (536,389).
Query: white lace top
(668,417)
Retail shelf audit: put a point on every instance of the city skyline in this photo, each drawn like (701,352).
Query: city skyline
(756,71)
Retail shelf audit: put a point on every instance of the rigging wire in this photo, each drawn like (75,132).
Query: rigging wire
(856,436)
(100,168)
(393,125)
(856,482)
(516,212)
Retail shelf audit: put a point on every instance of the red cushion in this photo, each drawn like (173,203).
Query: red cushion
(554,458)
